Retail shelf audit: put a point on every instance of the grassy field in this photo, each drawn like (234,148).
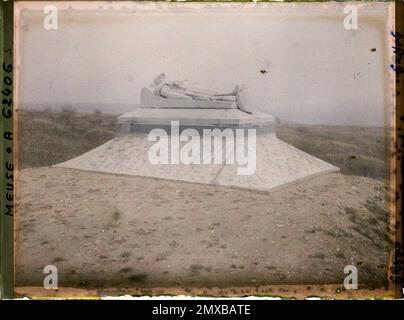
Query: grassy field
(47,138)
(356,151)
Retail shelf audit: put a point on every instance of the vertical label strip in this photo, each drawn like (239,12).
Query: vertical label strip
(6,152)
(399,251)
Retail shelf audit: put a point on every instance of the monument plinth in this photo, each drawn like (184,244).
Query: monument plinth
(194,107)
(258,161)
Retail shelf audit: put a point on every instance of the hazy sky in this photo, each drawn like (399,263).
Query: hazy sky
(317,71)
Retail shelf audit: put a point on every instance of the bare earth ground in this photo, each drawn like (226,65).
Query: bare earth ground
(104,230)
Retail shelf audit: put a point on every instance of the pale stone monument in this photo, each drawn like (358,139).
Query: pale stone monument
(258,161)
(193,105)
(189,90)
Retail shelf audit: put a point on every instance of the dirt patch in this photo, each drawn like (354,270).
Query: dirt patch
(104,230)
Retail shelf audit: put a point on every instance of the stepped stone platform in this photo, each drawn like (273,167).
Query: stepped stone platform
(277,164)
(273,163)
(143,120)
(157,112)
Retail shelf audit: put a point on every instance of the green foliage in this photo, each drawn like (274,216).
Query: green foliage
(356,151)
(47,138)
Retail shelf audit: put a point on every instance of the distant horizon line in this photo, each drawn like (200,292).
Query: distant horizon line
(127,108)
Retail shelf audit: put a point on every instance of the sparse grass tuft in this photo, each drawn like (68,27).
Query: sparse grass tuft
(116,215)
(340,255)
(310,231)
(125,254)
(58,259)
(331,233)
(373,221)
(365,231)
(377,210)
(141,277)
(195,269)
(353,214)
(350,211)
(317,256)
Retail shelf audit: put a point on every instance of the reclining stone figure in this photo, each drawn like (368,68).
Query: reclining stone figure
(189,90)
